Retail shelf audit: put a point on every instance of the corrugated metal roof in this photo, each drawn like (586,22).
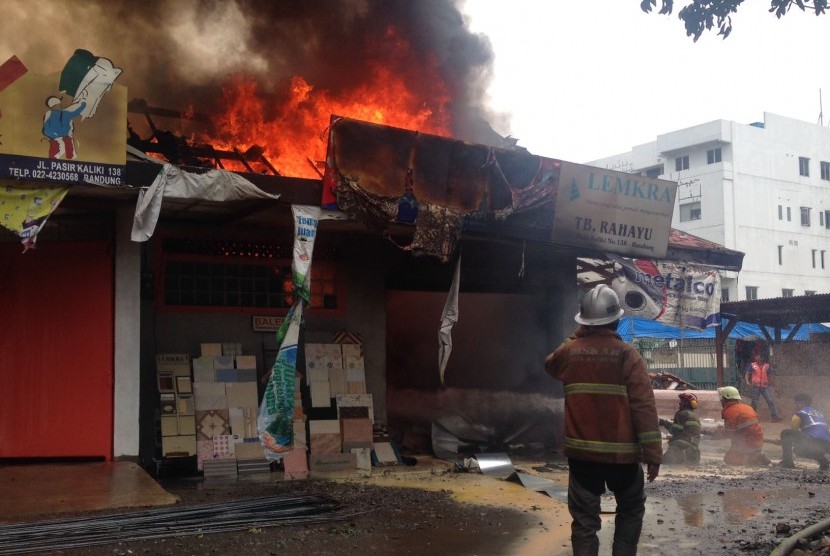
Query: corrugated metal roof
(780,311)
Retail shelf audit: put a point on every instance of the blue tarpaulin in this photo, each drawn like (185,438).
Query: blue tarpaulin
(635,327)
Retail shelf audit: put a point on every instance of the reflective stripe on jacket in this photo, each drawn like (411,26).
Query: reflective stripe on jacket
(610,413)
(760,374)
(741,421)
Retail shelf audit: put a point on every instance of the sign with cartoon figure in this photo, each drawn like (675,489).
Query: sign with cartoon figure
(69,127)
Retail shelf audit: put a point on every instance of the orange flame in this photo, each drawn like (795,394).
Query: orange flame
(294,132)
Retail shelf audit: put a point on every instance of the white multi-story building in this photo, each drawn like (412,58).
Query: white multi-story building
(761,188)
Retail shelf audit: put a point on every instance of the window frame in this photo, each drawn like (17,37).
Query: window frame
(163,258)
(805,216)
(681,163)
(713,156)
(804,166)
(691,211)
(787,292)
(825,170)
(751,293)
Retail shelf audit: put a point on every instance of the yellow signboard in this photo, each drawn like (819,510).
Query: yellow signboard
(68,127)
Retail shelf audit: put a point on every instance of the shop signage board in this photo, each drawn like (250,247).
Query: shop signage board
(613,211)
(69,127)
(266,323)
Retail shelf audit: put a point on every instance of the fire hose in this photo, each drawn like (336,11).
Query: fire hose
(790,543)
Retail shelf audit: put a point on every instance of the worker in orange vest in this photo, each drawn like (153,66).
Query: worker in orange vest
(758,377)
(742,426)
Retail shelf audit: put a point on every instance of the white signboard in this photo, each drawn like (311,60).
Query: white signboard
(613,211)
(266,323)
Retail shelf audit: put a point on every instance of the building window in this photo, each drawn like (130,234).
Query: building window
(681,163)
(789,215)
(822,258)
(814,258)
(780,212)
(809,292)
(803,166)
(654,173)
(751,293)
(805,216)
(713,156)
(821,218)
(240,276)
(787,292)
(825,170)
(690,211)
(827,218)
(724,294)
(780,255)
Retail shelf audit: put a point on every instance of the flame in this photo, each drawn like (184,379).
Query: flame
(293,133)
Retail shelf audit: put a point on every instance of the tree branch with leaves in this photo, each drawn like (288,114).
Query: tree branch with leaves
(704,15)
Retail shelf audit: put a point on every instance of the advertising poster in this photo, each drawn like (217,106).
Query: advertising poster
(613,211)
(676,294)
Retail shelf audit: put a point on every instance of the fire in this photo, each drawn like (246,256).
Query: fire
(399,92)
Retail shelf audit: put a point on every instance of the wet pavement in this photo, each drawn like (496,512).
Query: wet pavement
(679,520)
(55,488)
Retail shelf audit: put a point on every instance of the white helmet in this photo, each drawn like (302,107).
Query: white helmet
(729,393)
(599,306)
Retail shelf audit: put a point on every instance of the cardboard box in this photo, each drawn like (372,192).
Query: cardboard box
(203,369)
(169,425)
(332,462)
(231,348)
(174,446)
(246,362)
(209,395)
(211,349)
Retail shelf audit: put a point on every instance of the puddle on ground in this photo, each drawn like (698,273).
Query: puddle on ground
(733,506)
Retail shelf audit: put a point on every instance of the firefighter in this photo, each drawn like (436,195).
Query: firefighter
(742,426)
(610,424)
(685,433)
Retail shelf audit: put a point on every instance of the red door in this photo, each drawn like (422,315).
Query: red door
(56,350)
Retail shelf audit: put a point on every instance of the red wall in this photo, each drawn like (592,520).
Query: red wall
(56,350)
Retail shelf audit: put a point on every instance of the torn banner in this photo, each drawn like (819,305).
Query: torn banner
(448,319)
(173,182)
(25,211)
(381,174)
(275,423)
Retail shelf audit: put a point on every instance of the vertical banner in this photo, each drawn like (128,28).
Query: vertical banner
(676,294)
(448,319)
(275,422)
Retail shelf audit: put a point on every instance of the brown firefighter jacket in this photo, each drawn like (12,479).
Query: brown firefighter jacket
(610,413)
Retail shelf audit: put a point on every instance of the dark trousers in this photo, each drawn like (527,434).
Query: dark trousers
(586,483)
(757,392)
(804,446)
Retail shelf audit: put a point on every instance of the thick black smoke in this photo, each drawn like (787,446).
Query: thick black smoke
(179,54)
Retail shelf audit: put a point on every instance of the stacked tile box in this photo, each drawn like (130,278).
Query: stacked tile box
(178,425)
(227,403)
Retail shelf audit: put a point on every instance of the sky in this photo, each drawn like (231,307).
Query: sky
(584,80)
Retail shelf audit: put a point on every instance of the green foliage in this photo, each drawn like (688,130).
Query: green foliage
(703,15)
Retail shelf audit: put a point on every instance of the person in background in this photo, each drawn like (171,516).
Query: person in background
(758,377)
(610,424)
(742,426)
(685,433)
(808,435)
